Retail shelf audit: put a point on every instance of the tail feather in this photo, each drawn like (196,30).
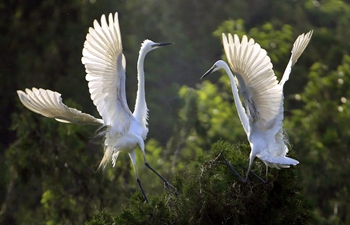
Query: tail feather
(278,161)
(106,157)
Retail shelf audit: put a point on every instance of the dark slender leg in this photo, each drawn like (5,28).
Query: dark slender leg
(133,160)
(238,175)
(142,191)
(166,183)
(256,175)
(233,169)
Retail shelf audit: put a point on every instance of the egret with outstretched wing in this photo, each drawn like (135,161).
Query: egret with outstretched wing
(105,67)
(254,79)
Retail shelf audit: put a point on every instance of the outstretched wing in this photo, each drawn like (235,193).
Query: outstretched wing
(298,48)
(49,104)
(256,79)
(105,67)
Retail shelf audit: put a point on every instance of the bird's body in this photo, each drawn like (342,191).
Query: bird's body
(262,116)
(105,67)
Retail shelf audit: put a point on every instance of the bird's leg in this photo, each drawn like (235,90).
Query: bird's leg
(251,159)
(233,169)
(256,175)
(249,171)
(142,191)
(238,175)
(166,183)
(133,160)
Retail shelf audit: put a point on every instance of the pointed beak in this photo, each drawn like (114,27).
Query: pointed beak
(208,72)
(162,44)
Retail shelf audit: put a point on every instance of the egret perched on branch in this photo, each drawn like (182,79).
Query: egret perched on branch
(105,67)
(262,117)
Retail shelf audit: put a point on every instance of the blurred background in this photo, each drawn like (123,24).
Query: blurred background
(48,171)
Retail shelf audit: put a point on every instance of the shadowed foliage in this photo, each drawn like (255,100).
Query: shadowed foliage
(210,193)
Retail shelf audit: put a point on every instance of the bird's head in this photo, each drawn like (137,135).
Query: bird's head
(217,65)
(148,45)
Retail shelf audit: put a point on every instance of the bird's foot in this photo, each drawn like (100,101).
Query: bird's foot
(254,174)
(170,188)
(227,163)
(167,185)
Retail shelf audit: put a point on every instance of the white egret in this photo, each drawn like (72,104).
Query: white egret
(105,67)
(262,117)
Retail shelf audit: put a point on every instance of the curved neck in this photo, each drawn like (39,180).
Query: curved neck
(240,109)
(141,110)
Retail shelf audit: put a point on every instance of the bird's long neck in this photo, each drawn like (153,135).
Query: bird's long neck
(141,110)
(241,111)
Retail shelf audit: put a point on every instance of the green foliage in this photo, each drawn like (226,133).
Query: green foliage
(100,218)
(209,193)
(155,212)
(324,145)
(64,181)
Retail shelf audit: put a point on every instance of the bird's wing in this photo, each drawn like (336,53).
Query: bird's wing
(256,79)
(49,104)
(105,67)
(298,48)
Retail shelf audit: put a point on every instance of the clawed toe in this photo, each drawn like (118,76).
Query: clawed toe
(170,188)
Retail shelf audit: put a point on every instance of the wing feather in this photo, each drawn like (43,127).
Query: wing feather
(256,79)
(105,67)
(49,104)
(298,48)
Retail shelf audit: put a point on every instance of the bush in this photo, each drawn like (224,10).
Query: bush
(210,193)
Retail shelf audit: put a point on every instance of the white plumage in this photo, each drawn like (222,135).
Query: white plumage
(262,116)
(105,67)
(49,104)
